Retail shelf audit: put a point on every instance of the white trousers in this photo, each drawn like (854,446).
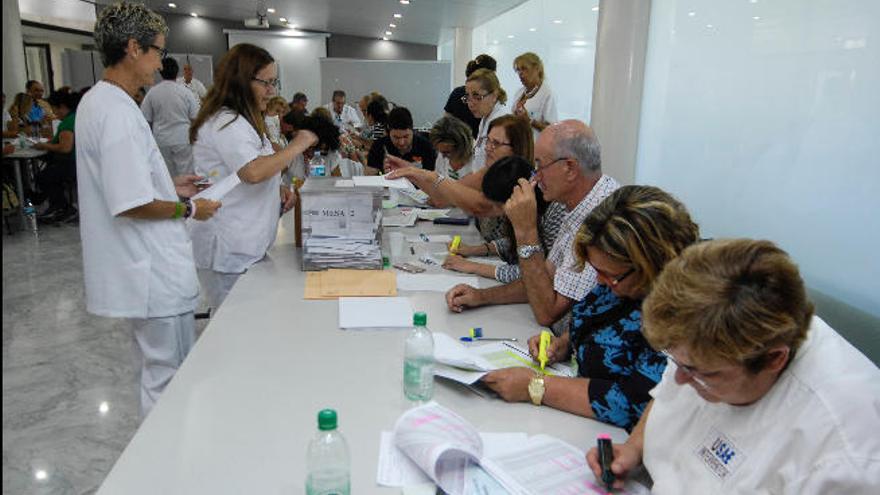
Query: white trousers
(216,286)
(163,344)
(178,158)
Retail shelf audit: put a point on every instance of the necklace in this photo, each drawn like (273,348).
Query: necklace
(111,81)
(530,93)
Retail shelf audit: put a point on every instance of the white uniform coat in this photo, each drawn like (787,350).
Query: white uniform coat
(479,160)
(541,106)
(244,227)
(132,268)
(817,431)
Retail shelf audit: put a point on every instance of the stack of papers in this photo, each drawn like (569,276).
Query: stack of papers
(332,284)
(381,181)
(363,313)
(404,218)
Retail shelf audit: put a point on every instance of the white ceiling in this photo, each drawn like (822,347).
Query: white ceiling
(424,21)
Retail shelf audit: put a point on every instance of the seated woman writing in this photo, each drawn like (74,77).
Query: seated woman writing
(498,184)
(628,239)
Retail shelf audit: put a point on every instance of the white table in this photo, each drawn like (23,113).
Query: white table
(19,158)
(238,416)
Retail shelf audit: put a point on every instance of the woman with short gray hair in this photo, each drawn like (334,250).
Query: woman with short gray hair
(137,257)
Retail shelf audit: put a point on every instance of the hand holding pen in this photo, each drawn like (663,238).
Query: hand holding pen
(557,348)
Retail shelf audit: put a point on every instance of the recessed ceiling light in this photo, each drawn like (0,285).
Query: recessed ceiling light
(709,26)
(494,42)
(510,36)
(757,18)
(398,16)
(41,474)
(172,5)
(557,21)
(596,8)
(691,13)
(282,19)
(533,29)
(392,25)
(754,1)
(193,14)
(388,33)
(270,10)
(405,2)
(579,43)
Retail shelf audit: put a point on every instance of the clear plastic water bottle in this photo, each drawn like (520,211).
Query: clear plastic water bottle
(30,215)
(418,364)
(317,168)
(328,460)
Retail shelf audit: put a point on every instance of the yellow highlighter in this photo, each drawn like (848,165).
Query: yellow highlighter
(453,248)
(542,348)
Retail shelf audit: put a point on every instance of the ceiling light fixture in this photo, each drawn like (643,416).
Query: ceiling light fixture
(398,16)
(691,14)
(579,43)
(172,5)
(270,10)
(388,33)
(757,18)
(282,19)
(193,14)
(510,36)
(596,8)
(557,21)
(404,2)
(709,26)
(533,29)
(392,25)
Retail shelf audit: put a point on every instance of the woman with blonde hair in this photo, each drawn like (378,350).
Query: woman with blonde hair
(627,239)
(229,137)
(534,100)
(275,110)
(486,100)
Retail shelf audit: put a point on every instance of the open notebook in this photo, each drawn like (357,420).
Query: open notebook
(449,450)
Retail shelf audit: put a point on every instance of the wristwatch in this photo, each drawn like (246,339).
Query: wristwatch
(536,389)
(528,250)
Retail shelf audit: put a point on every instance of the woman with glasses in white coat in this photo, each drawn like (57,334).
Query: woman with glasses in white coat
(229,137)
(486,99)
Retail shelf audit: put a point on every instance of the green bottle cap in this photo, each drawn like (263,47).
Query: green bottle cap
(327,419)
(420,319)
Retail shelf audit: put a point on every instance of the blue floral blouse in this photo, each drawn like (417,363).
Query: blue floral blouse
(607,341)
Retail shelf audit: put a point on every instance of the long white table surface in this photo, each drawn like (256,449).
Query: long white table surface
(239,414)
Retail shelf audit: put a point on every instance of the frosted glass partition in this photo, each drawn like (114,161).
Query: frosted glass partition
(562,33)
(763,118)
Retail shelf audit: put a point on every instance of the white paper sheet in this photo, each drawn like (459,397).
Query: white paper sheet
(381,181)
(375,312)
(431,214)
(405,218)
(344,183)
(219,189)
(434,282)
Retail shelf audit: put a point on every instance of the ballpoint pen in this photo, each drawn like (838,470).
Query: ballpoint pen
(477,339)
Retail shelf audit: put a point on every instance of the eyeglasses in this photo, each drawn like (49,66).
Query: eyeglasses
(697,376)
(492,144)
(273,84)
(163,52)
(613,282)
(475,97)
(540,168)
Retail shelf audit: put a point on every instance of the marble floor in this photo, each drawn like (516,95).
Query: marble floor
(70,403)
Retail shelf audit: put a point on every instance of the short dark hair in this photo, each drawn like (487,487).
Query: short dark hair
(338,92)
(481,61)
(28,85)
(400,118)
(503,176)
(298,97)
(62,98)
(170,68)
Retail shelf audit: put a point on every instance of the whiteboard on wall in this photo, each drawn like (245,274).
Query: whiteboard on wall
(421,86)
(297,59)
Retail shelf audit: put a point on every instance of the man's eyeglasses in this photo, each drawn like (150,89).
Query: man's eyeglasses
(540,168)
(268,84)
(474,96)
(492,144)
(690,371)
(163,52)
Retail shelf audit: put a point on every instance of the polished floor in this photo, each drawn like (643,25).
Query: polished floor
(70,403)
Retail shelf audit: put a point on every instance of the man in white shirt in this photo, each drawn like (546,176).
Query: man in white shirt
(760,395)
(137,257)
(170,108)
(344,116)
(569,170)
(191,83)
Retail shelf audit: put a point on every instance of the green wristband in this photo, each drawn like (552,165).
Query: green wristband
(178,210)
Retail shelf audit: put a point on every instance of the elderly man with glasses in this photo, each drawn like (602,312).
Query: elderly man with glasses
(760,395)
(569,170)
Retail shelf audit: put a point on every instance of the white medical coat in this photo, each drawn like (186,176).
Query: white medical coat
(479,160)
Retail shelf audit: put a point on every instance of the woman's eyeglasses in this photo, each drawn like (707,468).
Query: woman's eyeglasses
(163,52)
(491,144)
(475,97)
(273,84)
(689,371)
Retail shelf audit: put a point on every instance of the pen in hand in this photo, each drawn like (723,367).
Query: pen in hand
(606,457)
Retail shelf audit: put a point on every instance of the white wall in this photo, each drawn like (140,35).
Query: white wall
(768,128)
(297,58)
(567,48)
(74,14)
